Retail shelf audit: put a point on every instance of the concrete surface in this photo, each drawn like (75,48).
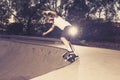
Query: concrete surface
(93,64)
(21,61)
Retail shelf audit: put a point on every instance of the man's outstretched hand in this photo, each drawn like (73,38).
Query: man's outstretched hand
(44,33)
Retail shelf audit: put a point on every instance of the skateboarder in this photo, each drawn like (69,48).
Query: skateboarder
(64,26)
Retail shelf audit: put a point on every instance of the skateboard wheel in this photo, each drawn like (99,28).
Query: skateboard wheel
(71,60)
(66,55)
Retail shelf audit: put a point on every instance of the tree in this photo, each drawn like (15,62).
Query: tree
(108,7)
(28,12)
(4,13)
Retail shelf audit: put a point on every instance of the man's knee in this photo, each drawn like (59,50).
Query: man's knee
(64,39)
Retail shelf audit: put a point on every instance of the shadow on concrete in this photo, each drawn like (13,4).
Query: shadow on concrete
(20,61)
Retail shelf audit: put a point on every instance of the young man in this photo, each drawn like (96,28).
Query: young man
(64,26)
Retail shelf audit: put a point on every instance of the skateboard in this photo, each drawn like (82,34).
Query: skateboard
(70,57)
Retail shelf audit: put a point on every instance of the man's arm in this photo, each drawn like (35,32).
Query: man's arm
(49,30)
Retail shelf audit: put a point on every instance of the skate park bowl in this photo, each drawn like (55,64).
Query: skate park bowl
(23,61)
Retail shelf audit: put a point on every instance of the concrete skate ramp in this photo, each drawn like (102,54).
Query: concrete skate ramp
(20,61)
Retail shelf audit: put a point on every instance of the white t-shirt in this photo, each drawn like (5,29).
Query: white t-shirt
(61,23)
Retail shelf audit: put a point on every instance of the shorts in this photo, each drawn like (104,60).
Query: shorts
(65,32)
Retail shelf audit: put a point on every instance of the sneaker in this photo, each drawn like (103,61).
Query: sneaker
(66,55)
(73,54)
(72,58)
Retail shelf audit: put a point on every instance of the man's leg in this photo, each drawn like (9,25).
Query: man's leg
(70,56)
(67,44)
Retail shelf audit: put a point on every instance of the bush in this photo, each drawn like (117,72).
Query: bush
(98,31)
(15,28)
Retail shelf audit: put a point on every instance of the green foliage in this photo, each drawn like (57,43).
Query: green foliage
(4,13)
(28,12)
